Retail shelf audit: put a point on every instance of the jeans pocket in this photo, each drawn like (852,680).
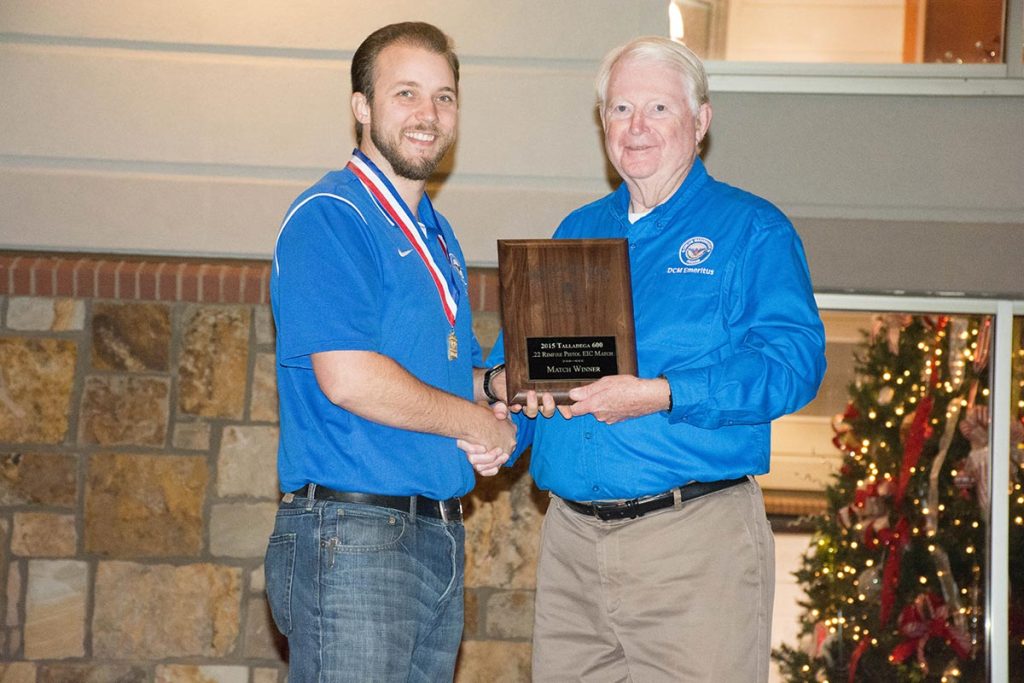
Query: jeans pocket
(279,566)
(363,530)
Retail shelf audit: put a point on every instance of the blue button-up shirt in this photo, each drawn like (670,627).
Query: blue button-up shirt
(724,311)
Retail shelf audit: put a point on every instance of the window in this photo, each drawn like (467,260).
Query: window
(916,524)
(929,46)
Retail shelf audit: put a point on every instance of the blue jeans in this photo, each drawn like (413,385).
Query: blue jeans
(365,593)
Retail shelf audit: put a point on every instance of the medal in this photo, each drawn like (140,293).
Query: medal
(453,346)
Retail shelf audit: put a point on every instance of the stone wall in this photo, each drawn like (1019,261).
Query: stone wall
(138,434)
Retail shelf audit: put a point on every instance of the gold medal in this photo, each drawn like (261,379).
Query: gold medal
(453,346)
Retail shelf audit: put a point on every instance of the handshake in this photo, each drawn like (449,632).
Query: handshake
(492,441)
(611,399)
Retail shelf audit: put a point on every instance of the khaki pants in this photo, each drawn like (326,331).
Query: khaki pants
(677,595)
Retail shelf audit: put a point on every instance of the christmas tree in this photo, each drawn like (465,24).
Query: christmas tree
(895,575)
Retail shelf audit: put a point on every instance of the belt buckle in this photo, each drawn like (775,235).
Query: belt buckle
(632,508)
(443,507)
(625,509)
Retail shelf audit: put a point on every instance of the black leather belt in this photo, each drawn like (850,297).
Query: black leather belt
(638,507)
(448,510)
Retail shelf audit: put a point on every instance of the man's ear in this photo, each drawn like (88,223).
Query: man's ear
(361,108)
(703,121)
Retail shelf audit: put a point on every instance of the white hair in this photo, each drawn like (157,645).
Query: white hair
(663,51)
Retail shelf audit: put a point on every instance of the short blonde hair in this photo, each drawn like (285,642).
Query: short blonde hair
(663,51)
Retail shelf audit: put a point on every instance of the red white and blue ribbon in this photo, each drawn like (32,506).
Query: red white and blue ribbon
(378,186)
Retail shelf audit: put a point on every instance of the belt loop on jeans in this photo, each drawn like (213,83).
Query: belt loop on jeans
(312,497)
(412,508)
(677,499)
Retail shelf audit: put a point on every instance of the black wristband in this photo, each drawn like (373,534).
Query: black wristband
(488,378)
(669,409)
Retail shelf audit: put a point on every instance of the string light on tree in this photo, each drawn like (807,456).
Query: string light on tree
(895,585)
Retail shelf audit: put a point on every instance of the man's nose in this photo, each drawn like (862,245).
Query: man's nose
(637,124)
(428,110)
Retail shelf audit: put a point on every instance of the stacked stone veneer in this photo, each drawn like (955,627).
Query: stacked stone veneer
(138,436)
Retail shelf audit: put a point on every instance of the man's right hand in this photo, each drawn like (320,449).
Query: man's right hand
(375,387)
(489,431)
(492,445)
(503,435)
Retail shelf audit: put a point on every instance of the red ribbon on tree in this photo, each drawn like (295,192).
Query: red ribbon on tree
(913,445)
(920,430)
(925,618)
(894,540)
(897,538)
(855,657)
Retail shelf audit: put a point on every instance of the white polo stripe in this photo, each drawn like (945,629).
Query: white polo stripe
(277,266)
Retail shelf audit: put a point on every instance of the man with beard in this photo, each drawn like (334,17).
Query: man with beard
(376,370)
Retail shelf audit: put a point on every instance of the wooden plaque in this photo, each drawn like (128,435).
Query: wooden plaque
(567,313)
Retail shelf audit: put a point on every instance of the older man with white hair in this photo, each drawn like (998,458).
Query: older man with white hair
(657,559)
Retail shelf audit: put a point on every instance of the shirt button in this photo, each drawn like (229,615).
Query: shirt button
(587,435)
(596,489)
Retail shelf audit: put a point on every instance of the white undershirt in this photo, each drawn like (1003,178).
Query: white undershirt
(634,217)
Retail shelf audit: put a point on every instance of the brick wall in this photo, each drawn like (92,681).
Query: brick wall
(138,430)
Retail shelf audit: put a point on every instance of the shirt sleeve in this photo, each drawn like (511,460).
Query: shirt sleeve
(497,354)
(778,339)
(328,287)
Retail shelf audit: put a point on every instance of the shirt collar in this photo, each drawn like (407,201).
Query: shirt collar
(695,179)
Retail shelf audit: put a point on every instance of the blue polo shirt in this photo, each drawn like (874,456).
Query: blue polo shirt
(345,277)
(724,311)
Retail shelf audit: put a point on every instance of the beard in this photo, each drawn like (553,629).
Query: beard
(419,168)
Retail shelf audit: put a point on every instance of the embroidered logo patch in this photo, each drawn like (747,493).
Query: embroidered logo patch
(696,250)
(457,267)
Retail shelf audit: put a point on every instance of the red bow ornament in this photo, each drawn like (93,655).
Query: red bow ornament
(844,439)
(870,507)
(926,618)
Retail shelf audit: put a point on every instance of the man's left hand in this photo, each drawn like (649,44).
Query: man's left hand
(619,397)
(486,463)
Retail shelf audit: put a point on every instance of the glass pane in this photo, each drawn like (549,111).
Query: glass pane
(892,582)
(1016,550)
(826,31)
